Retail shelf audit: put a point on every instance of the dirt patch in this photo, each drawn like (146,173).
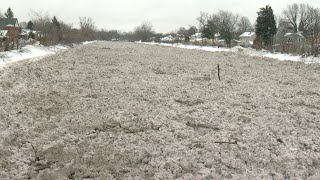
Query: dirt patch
(123,110)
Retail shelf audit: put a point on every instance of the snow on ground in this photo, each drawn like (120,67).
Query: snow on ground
(31,51)
(179,45)
(88,42)
(27,52)
(246,51)
(133,111)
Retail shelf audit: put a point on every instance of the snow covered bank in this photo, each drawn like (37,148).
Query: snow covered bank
(246,51)
(285,57)
(27,52)
(204,48)
(275,55)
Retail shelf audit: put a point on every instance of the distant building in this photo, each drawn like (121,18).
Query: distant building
(294,38)
(196,37)
(247,39)
(294,42)
(25,33)
(168,38)
(180,38)
(218,41)
(11,25)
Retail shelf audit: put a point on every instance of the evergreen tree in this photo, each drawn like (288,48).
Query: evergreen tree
(227,36)
(30,25)
(56,22)
(9,13)
(209,30)
(265,28)
(57,28)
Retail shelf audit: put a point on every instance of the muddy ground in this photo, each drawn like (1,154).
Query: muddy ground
(133,111)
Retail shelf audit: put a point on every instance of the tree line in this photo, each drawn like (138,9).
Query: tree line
(269,28)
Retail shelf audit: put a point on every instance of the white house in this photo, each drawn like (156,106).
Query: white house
(295,43)
(196,37)
(294,37)
(247,39)
(167,39)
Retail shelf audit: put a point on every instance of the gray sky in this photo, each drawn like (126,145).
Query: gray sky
(165,15)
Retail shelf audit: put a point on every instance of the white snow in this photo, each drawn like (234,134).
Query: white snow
(247,34)
(280,56)
(88,42)
(3,33)
(298,34)
(246,51)
(27,52)
(204,48)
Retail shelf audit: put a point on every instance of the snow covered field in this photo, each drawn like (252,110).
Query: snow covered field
(133,111)
(246,51)
(28,52)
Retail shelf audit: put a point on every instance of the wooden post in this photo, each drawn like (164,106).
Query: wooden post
(219,72)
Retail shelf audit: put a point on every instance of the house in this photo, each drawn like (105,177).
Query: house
(294,38)
(218,41)
(294,42)
(247,39)
(180,38)
(13,28)
(168,38)
(196,37)
(27,33)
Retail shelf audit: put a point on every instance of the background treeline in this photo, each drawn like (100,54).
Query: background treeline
(270,29)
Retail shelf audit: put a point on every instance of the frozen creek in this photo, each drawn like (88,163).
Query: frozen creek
(133,111)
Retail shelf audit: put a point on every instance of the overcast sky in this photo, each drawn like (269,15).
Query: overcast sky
(165,15)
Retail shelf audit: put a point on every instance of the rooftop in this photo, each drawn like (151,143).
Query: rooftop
(294,34)
(8,22)
(247,34)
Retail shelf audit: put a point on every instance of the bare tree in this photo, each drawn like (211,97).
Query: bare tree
(212,26)
(1,15)
(192,30)
(42,24)
(224,22)
(144,32)
(52,31)
(202,20)
(227,26)
(297,16)
(244,25)
(306,19)
(312,30)
(87,28)
(182,30)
